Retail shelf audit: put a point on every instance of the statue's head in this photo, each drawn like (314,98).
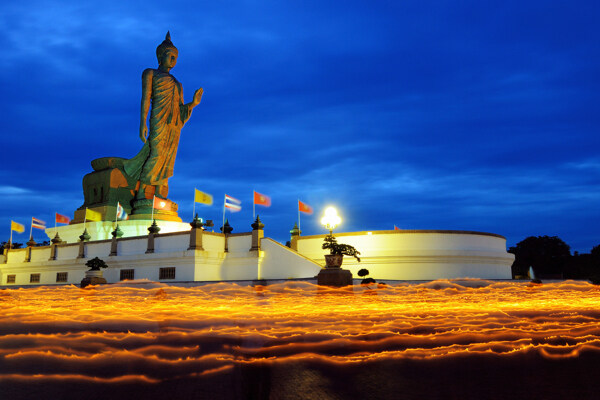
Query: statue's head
(167,50)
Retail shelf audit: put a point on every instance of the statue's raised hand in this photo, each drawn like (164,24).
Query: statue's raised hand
(198,96)
(143,132)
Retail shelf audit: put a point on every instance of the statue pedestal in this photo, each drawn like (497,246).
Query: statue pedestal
(103,188)
(335,276)
(108,185)
(164,210)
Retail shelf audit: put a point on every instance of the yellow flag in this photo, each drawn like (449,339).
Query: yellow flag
(204,198)
(92,215)
(15,226)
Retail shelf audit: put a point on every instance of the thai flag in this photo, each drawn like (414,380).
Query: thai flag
(37,223)
(233,204)
(121,214)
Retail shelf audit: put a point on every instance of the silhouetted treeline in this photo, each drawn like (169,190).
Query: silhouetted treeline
(551,258)
(20,245)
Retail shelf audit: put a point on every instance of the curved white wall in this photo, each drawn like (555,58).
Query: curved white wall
(395,255)
(420,254)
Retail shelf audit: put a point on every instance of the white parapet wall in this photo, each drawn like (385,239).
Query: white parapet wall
(219,259)
(388,255)
(420,254)
(281,263)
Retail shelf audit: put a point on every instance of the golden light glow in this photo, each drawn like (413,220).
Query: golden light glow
(331,219)
(153,332)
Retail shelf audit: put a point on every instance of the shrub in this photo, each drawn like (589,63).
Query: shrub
(95,264)
(339,249)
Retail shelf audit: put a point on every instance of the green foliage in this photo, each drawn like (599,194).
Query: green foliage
(95,264)
(595,253)
(14,246)
(20,245)
(368,281)
(339,249)
(363,272)
(548,255)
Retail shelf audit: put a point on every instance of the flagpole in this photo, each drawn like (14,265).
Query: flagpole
(84,218)
(153,198)
(299,215)
(224,199)
(31,228)
(194,208)
(11,233)
(253,206)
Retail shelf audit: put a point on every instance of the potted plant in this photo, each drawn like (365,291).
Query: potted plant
(337,251)
(93,276)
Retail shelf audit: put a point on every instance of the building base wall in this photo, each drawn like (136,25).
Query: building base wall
(419,254)
(388,255)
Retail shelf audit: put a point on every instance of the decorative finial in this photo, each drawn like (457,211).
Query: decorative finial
(56,239)
(227,229)
(85,236)
(117,233)
(31,242)
(295,231)
(257,225)
(168,37)
(197,222)
(154,228)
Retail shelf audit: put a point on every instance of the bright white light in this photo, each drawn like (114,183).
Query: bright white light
(331,219)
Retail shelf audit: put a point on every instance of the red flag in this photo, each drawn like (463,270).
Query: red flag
(396,228)
(62,219)
(161,204)
(262,200)
(305,208)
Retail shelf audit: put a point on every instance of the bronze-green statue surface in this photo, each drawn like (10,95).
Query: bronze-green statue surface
(163,95)
(133,182)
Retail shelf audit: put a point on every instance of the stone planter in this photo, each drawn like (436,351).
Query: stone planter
(92,278)
(93,274)
(334,260)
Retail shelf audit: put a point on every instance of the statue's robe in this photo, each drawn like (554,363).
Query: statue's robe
(153,165)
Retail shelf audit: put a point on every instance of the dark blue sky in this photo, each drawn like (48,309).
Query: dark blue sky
(425,115)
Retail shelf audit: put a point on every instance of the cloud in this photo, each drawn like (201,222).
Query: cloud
(12,190)
(471,116)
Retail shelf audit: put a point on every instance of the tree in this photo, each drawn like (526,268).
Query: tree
(595,253)
(366,281)
(14,246)
(334,247)
(548,255)
(594,265)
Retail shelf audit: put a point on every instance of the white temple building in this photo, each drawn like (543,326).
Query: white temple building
(180,253)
